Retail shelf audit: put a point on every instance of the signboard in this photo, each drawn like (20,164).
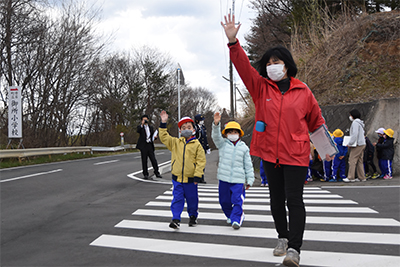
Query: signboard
(14,112)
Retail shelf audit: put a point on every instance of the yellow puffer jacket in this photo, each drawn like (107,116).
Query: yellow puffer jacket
(187,160)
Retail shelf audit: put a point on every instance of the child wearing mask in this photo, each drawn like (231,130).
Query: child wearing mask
(235,170)
(339,162)
(387,149)
(188,161)
(380,133)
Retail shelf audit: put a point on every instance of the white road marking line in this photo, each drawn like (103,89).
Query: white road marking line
(216,194)
(305,188)
(267,200)
(30,175)
(361,187)
(268,218)
(247,207)
(243,253)
(251,196)
(106,162)
(262,190)
(324,236)
(133,175)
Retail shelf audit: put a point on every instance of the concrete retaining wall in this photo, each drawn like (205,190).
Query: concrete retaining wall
(380,113)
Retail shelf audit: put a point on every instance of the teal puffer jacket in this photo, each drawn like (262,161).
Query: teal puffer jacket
(235,164)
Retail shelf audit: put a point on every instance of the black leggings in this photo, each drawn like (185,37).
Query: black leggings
(286,183)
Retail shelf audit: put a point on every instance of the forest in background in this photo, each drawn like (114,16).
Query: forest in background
(75,92)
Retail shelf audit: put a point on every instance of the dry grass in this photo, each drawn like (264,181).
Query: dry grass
(351,59)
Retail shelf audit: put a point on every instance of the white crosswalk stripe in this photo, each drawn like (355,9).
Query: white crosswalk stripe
(267,207)
(319,205)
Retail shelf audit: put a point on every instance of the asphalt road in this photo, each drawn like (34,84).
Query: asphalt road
(98,212)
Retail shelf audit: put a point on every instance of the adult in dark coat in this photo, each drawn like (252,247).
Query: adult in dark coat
(145,144)
(201,135)
(201,132)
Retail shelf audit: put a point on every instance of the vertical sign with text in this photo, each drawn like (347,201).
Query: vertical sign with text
(14,112)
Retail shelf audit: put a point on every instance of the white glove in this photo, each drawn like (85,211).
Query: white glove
(208,151)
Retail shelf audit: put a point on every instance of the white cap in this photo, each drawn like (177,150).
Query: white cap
(380,131)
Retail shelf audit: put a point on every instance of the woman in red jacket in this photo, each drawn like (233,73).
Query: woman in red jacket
(286,111)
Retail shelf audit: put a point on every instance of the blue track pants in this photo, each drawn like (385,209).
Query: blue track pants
(231,199)
(180,192)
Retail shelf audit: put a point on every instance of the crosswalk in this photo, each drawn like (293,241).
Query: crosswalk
(352,226)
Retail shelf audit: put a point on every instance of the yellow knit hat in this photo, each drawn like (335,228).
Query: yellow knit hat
(233,125)
(338,133)
(389,132)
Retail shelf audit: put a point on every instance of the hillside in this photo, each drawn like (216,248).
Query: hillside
(351,59)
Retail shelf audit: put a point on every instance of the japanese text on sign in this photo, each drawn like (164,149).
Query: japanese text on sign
(14,112)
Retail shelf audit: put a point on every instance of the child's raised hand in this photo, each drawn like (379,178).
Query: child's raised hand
(164,116)
(217,118)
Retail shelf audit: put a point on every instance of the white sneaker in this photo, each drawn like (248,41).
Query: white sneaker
(292,258)
(281,247)
(235,225)
(357,180)
(347,180)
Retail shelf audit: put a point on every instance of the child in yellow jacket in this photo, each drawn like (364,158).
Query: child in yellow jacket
(188,161)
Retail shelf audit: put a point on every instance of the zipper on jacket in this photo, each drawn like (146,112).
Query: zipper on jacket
(279,131)
(233,160)
(183,160)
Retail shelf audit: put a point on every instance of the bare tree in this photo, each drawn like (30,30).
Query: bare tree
(51,59)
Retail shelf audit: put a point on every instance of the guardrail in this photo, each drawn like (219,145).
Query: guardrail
(28,152)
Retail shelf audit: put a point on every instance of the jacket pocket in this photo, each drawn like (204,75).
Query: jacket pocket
(301,145)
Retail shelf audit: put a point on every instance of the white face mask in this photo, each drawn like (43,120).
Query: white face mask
(201,122)
(233,137)
(276,72)
(187,133)
(351,118)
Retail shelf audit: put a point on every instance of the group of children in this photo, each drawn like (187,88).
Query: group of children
(335,171)
(188,160)
(235,168)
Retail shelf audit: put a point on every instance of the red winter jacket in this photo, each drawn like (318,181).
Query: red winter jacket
(289,117)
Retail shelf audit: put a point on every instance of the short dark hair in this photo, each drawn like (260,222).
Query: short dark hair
(278,52)
(144,116)
(355,114)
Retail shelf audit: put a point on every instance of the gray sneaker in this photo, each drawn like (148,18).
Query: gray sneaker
(281,247)
(292,258)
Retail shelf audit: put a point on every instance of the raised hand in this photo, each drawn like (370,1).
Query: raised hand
(164,116)
(217,118)
(230,28)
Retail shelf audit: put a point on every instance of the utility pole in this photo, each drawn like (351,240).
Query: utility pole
(240,93)
(231,74)
(180,81)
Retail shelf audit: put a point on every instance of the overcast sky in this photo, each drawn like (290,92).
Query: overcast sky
(187,30)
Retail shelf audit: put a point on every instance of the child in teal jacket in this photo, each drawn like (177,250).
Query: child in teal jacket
(235,170)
